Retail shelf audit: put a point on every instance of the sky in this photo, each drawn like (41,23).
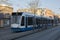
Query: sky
(54,5)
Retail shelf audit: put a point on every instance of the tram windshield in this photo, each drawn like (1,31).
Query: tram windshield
(15,19)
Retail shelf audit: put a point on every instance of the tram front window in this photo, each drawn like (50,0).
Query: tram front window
(15,19)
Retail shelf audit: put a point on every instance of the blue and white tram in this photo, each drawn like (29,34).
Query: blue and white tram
(19,21)
(22,21)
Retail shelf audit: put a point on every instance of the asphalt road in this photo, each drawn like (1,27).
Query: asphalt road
(6,34)
(49,34)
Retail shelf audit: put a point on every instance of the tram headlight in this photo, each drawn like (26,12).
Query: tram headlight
(15,25)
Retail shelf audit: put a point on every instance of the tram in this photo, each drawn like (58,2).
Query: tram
(23,21)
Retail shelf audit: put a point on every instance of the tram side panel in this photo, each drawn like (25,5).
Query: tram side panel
(22,22)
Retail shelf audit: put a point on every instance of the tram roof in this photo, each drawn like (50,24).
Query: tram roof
(30,15)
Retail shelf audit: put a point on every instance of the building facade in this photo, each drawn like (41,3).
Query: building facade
(6,11)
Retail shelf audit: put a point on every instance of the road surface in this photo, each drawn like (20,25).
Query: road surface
(49,34)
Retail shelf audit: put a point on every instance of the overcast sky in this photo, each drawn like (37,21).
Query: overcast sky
(50,4)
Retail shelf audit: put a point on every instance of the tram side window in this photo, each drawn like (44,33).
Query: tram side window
(30,21)
(37,21)
(42,21)
(22,21)
(46,21)
(51,21)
